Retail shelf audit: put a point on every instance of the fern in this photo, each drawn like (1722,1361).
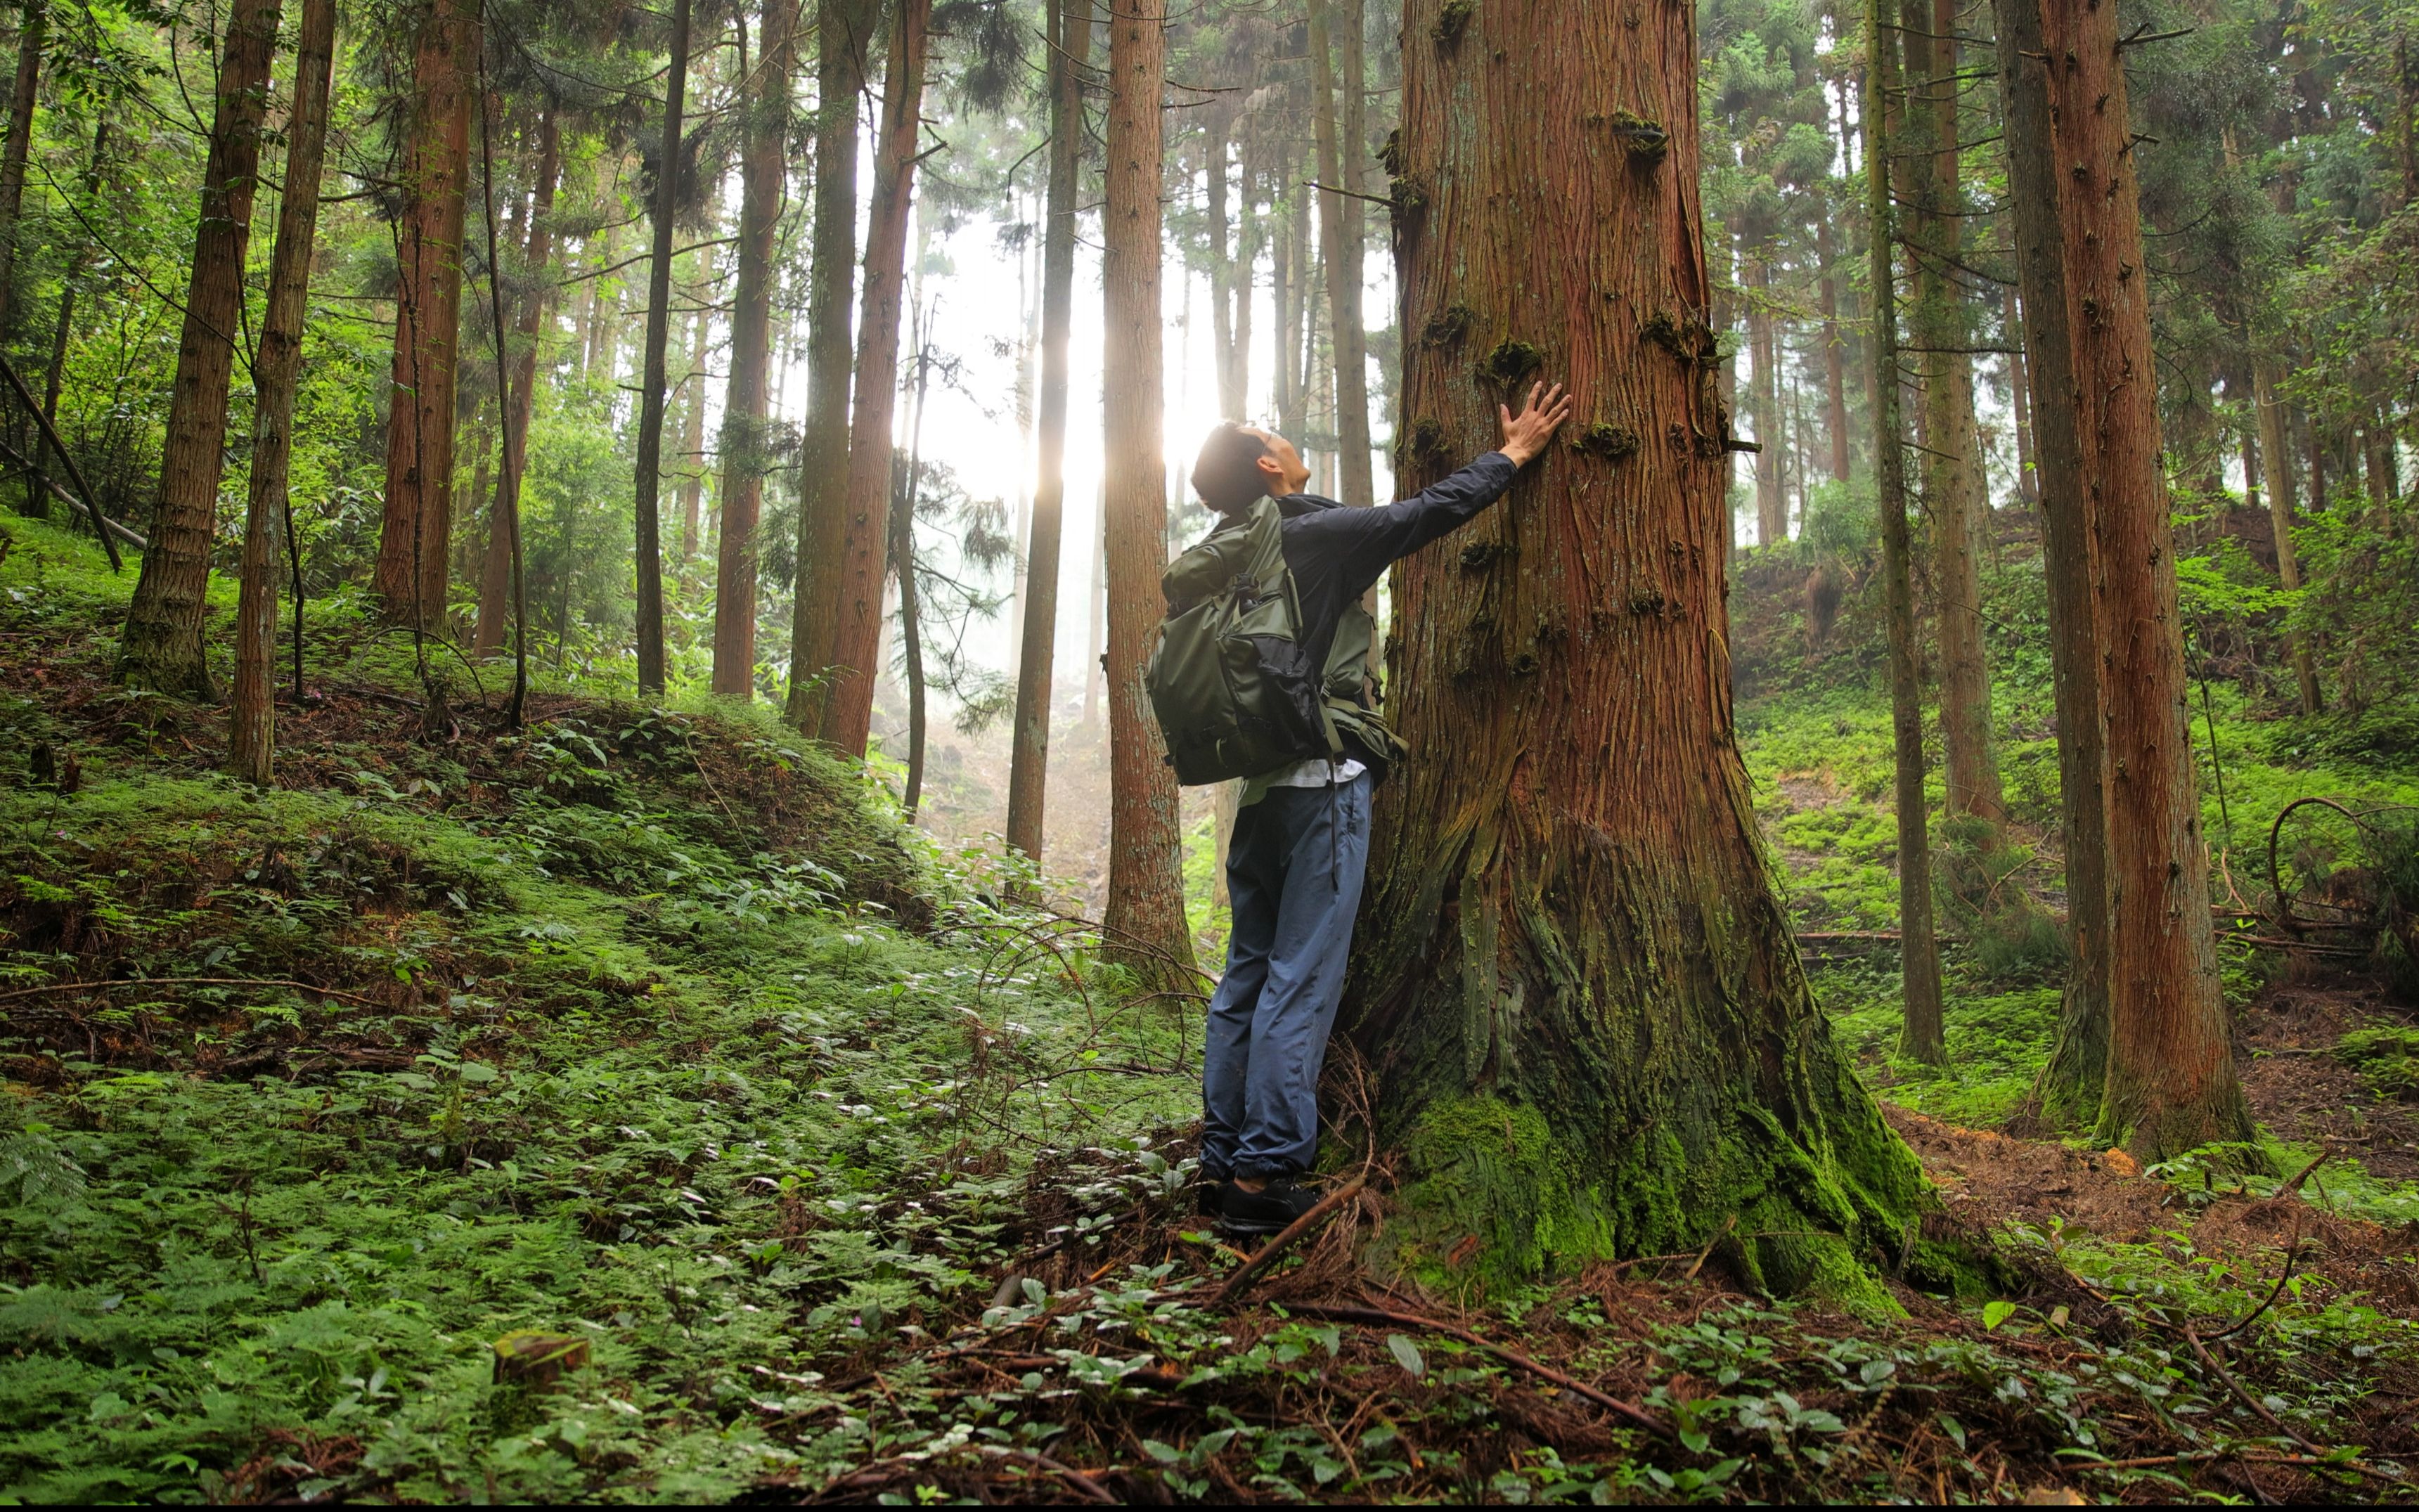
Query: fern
(42,1173)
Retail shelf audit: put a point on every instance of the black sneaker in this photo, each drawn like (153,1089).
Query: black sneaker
(1271,1210)
(1209,1193)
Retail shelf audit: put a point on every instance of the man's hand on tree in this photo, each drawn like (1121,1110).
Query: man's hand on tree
(1526,436)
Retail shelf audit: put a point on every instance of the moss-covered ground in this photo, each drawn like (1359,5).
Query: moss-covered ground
(818,1169)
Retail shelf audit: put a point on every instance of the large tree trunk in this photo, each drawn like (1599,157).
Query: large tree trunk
(1340,236)
(1579,990)
(162,645)
(856,640)
(32,30)
(652,384)
(1835,348)
(2073,1083)
(1919,944)
(747,451)
(842,28)
(2171,1083)
(1071,49)
(415,532)
(2275,450)
(495,570)
(1144,922)
(252,733)
(1953,480)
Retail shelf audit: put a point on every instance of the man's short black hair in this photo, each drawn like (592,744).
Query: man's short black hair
(1227,474)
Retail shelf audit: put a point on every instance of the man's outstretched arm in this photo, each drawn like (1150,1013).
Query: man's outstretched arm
(1370,540)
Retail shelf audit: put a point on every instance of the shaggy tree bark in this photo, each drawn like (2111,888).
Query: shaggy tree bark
(1145,923)
(1578,991)
(841,29)
(162,648)
(1340,235)
(416,527)
(1919,944)
(252,732)
(651,396)
(2170,1080)
(747,450)
(2073,1083)
(1953,480)
(857,639)
(496,568)
(1071,48)
(32,30)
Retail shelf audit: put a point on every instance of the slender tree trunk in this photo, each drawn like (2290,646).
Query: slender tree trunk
(1952,483)
(415,532)
(252,735)
(856,642)
(1340,236)
(2275,449)
(32,30)
(747,449)
(1096,612)
(652,395)
(1576,804)
(1835,348)
(495,570)
(1239,280)
(1071,48)
(690,467)
(1771,504)
(1919,946)
(902,565)
(1145,926)
(1218,139)
(2072,1083)
(79,259)
(2020,396)
(2171,1083)
(1286,287)
(842,30)
(162,645)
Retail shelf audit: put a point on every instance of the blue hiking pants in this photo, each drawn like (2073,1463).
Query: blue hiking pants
(1293,870)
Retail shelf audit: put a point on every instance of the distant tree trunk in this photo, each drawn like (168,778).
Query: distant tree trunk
(252,732)
(691,465)
(1096,609)
(1576,804)
(162,649)
(415,532)
(1218,138)
(902,565)
(1771,505)
(843,29)
(1340,236)
(1919,946)
(2275,450)
(2072,1083)
(1071,49)
(651,398)
(2019,393)
(32,29)
(856,642)
(2171,1083)
(1952,483)
(1835,348)
(747,445)
(1288,289)
(1145,926)
(2385,472)
(79,259)
(495,570)
(1240,281)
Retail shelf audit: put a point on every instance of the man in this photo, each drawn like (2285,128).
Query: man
(1302,836)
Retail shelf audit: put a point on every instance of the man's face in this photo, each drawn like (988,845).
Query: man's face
(1283,466)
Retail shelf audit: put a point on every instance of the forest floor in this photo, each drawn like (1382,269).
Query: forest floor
(632,1109)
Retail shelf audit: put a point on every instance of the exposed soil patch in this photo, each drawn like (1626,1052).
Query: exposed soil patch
(2299,1089)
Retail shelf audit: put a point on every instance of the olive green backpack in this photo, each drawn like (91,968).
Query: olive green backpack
(1234,687)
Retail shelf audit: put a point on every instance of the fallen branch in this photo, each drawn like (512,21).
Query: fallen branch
(1285,1241)
(187,981)
(2209,1361)
(1378,1314)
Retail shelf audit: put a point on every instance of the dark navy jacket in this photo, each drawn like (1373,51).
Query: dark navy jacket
(1338,553)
